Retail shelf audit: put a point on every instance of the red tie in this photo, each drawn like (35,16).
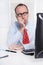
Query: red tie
(25,37)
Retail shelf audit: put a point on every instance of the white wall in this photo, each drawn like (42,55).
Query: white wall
(38,7)
(7,15)
(4,21)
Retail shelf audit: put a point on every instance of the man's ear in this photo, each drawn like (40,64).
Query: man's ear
(28,15)
(16,16)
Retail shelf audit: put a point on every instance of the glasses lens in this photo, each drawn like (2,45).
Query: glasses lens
(24,13)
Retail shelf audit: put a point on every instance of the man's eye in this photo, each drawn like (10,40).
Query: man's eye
(19,14)
(24,13)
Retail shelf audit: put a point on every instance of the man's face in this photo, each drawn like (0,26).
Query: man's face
(22,14)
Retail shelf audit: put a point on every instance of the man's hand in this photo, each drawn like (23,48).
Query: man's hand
(21,22)
(22,25)
(16,47)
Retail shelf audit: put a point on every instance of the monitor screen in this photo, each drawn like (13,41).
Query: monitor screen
(39,36)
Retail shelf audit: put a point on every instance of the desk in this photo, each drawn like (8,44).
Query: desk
(20,59)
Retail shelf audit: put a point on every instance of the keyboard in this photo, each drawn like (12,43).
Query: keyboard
(28,51)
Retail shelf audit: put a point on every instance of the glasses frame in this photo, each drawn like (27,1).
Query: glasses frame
(20,14)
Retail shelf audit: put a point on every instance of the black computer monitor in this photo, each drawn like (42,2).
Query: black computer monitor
(39,36)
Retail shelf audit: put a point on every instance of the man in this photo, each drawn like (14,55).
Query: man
(15,35)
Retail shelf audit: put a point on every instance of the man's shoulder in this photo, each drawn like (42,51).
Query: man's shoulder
(15,24)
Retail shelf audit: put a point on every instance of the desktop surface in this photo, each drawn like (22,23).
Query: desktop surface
(20,59)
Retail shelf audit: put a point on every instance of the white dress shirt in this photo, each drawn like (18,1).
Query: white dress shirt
(15,36)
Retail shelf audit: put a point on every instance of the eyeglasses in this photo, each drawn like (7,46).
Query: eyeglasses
(20,14)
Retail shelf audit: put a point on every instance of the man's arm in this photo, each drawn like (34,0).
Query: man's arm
(14,36)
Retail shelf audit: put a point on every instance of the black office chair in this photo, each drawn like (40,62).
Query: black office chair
(39,36)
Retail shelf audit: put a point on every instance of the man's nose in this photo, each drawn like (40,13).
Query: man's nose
(22,16)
